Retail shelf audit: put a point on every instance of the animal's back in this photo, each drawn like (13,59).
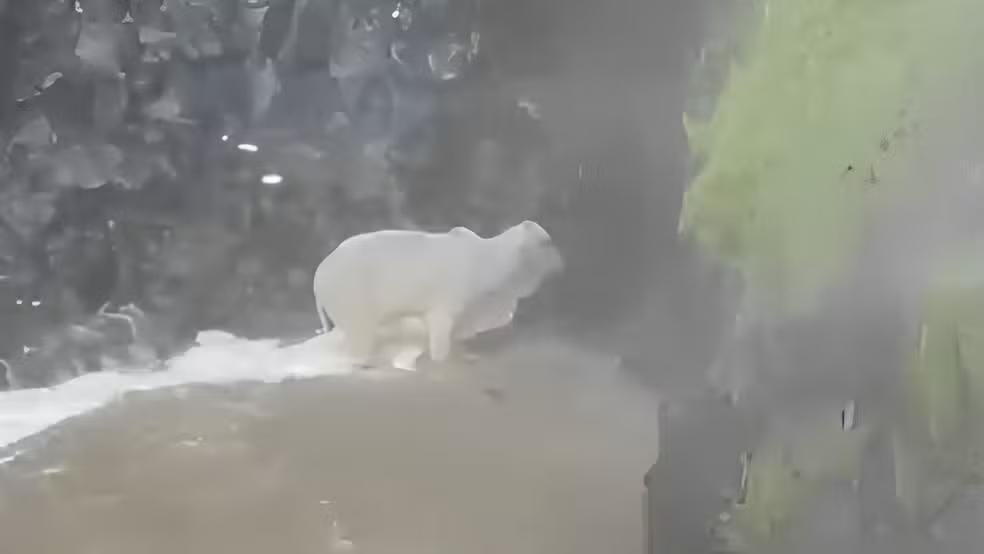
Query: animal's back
(368,249)
(395,267)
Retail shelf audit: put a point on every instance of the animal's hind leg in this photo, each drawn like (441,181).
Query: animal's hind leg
(407,358)
(360,334)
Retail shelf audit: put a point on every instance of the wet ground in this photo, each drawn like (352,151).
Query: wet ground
(537,450)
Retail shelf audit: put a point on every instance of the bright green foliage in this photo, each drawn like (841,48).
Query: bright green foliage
(782,475)
(772,495)
(940,447)
(814,126)
(818,125)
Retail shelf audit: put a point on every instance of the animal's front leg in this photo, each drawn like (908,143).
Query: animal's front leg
(439,326)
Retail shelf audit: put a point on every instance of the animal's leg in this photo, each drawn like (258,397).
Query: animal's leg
(407,358)
(439,326)
(360,334)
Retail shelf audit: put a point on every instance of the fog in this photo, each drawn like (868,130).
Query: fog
(172,167)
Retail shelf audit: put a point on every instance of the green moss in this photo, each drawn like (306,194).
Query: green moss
(818,125)
(942,439)
(813,127)
(781,477)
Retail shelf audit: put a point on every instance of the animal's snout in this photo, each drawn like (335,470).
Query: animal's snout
(555,262)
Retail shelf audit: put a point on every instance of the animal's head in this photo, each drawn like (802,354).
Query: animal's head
(538,256)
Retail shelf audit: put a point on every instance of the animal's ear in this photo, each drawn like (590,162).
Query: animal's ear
(533,229)
(461,232)
(538,236)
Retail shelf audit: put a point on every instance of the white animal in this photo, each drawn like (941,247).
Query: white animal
(449,286)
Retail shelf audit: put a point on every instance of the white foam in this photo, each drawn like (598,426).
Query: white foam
(217,358)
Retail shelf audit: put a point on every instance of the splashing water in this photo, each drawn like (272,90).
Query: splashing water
(218,358)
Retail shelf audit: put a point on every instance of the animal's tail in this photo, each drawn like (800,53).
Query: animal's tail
(326,322)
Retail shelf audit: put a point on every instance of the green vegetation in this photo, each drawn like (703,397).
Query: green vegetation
(819,123)
(814,126)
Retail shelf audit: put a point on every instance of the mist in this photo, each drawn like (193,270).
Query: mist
(173,167)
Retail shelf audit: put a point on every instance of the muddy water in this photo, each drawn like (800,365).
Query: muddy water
(535,451)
